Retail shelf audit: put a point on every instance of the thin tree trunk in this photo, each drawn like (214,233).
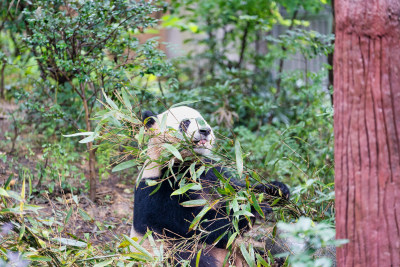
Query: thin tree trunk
(92,152)
(330,55)
(2,89)
(367,131)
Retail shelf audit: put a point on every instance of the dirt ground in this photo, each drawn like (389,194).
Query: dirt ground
(110,215)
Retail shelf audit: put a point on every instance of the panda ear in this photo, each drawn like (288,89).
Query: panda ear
(147,118)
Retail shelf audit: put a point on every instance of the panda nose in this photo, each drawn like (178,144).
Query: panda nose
(205,132)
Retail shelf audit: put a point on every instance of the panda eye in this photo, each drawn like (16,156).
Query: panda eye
(184,125)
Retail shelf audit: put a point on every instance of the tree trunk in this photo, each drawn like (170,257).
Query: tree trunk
(92,152)
(2,89)
(367,131)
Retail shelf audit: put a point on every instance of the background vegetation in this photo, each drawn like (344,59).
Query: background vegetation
(73,66)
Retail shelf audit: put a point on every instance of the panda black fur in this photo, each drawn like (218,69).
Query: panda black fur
(163,213)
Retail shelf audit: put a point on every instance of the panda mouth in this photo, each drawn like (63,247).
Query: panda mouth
(201,142)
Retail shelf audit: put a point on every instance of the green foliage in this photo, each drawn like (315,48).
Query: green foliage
(58,167)
(83,48)
(236,71)
(309,238)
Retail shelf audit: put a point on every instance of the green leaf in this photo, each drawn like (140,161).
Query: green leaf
(139,248)
(79,134)
(197,219)
(275,201)
(39,258)
(156,189)
(104,263)
(136,256)
(3,192)
(180,191)
(243,213)
(21,232)
(198,258)
(184,103)
(70,242)
(262,261)
(250,261)
(125,99)
(200,171)
(8,180)
(151,182)
(163,124)
(256,205)
(88,139)
(194,203)
(231,239)
(141,135)
(125,243)
(124,165)
(68,216)
(239,158)
(21,203)
(109,101)
(85,216)
(29,207)
(30,186)
(173,151)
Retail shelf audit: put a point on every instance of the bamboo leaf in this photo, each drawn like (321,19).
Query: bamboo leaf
(109,101)
(256,205)
(231,239)
(68,216)
(21,203)
(70,242)
(246,256)
(197,219)
(141,135)
(262,261)
(173,151)
(194,203)
(103,263)
(79,134)
(163,124)
(21,232)
(243,213)
(184,103)
(125,98)
(39,258)
(124,165)
(88,139)
(185,188)
(85,216)
(198,258)
(3,192)
(151,182)
(139,248)
(239,158)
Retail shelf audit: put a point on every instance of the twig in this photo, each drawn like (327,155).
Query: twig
(244,44)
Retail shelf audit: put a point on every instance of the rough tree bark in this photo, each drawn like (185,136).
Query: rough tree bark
(367,131)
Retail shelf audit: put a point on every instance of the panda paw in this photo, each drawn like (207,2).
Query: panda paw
(278,189)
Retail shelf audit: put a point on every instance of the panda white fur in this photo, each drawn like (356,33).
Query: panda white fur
(162,213)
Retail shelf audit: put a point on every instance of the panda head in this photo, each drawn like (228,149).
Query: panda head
(187,123)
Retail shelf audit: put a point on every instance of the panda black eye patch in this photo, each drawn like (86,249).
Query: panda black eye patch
(184,125)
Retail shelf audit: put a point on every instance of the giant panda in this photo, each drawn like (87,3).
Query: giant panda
(156,210)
